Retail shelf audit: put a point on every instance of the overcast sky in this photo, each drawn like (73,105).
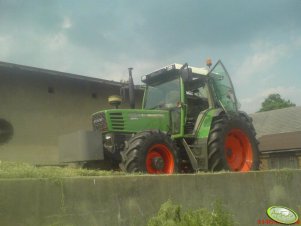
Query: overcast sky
(258,41)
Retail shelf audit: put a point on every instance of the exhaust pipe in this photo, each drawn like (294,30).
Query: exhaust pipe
(131,89)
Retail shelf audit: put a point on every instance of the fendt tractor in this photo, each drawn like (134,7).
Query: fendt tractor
(189,122)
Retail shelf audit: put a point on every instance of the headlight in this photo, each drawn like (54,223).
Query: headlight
(99,122)
(108,142)
(108,136)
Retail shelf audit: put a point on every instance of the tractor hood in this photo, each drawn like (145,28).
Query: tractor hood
(130,120)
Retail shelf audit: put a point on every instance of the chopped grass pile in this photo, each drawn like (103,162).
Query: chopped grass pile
(172,215)
(24,170)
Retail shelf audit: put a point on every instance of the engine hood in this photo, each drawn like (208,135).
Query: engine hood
(131,120)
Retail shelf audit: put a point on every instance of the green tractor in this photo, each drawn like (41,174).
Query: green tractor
(189,122)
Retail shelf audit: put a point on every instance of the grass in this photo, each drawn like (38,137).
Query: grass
(172,215)
(24,170)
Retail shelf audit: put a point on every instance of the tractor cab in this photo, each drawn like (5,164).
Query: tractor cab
(187,93)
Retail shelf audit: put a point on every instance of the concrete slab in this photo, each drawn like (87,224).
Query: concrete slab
(131,200)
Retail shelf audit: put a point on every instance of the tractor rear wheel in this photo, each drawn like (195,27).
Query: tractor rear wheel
(232,145)
(150,152)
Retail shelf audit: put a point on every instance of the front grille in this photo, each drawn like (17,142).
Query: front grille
(117,120)
(99,122)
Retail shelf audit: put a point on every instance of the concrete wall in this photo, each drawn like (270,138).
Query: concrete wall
(39,117)
(131,200)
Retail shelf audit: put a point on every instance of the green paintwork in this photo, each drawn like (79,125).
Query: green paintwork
(135,120)
(192,111)
(183,112)
(205,125)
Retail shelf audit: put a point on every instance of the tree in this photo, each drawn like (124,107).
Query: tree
(275,101)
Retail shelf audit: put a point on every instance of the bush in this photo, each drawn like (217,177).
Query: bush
(171,215)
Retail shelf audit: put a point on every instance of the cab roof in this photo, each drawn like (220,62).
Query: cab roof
(170,70)
(195,70)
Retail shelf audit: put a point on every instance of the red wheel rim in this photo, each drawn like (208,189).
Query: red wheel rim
(162,152)
(238,150)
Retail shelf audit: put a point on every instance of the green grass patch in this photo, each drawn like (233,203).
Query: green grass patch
(171,214)
(24,170)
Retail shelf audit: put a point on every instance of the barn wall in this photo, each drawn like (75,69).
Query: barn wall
(42,107)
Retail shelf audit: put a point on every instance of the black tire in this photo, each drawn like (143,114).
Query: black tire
(140,148)
(235,132)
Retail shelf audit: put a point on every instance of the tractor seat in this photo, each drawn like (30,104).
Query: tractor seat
(195,106)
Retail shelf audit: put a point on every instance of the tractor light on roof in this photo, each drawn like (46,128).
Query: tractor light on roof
(209,62)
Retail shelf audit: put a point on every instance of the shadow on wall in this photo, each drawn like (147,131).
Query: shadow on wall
(6,131)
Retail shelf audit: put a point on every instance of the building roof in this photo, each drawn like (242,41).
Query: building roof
(281,141)
(277,121)
(40,71)
(278,129)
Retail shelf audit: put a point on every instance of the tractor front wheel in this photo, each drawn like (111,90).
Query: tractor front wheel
(151,152)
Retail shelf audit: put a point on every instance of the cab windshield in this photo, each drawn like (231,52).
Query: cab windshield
(164,95)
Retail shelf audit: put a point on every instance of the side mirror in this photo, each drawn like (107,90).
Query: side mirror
(114,100)
(186,74)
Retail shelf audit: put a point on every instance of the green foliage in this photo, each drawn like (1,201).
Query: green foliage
(171,215)
(274,101)
(24,170)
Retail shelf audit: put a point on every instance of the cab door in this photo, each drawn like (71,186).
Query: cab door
(223,88)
